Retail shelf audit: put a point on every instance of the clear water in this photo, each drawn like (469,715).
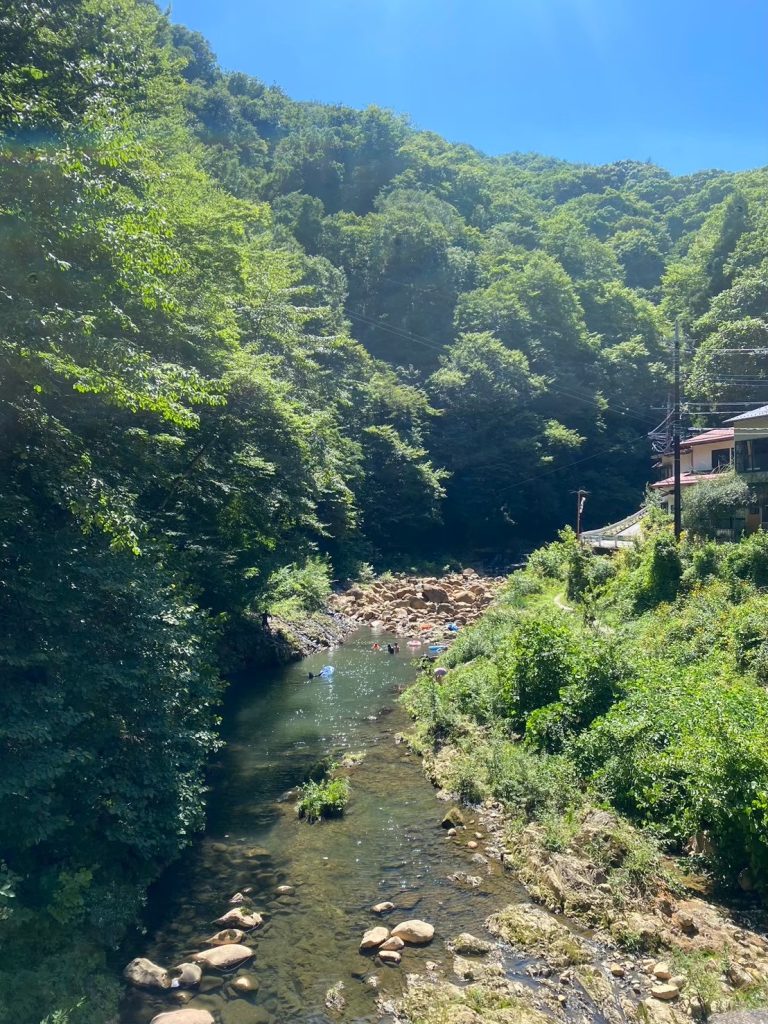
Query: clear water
(388,846)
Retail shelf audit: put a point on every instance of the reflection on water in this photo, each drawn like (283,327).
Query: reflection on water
(389,846)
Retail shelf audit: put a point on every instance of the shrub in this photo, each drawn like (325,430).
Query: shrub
(710,505)
(687,751)
(326,799)
(748,560)
(548,660)
(304,587)
(532,786)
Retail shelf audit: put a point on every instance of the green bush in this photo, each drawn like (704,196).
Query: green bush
(548,659)
(327,799)
(748,560)
(688,752)
(710,505)
(306,586)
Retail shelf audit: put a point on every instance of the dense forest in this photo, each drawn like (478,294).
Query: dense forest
(245,341)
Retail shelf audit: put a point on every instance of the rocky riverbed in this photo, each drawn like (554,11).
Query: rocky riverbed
(664,954)
(419,607)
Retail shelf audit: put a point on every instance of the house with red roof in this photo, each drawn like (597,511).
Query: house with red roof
(702,457)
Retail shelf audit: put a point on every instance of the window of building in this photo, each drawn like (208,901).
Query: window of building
(752,456)
(721,457)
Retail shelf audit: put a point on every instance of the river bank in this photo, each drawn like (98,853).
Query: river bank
(649,934)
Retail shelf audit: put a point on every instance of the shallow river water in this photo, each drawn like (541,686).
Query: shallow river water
(388,846)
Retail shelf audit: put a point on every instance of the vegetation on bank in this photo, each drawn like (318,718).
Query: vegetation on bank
(648,698)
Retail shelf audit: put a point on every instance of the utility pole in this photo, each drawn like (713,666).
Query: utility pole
(676,433)
(581,497)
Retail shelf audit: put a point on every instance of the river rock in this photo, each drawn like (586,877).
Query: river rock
(383,908)
(224,956)
(187,1016)
(665,992)
(453,818)
(469,945)
(373,938)
(393,942)
(186,976)
(245,983)
(144,974)
(436,595)
(416,932)
(389,956)
(239,918)
(227,937)
(661,971)
(237,899)
(285,890)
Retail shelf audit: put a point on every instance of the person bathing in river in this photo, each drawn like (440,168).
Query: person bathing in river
(397,647)
(390,649)
(375,647)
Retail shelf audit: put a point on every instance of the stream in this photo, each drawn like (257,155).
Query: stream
(388,846)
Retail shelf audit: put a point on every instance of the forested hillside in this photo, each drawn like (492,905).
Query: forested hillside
(240,336)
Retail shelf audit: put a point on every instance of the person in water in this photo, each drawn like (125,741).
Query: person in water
(390,649)
(375,647)
(397,647)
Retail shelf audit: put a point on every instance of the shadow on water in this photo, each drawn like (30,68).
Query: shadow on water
(388,846)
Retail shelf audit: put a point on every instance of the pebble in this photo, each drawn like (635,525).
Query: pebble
(617,970)
(472,845)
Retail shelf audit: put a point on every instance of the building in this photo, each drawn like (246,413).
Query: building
(750,435)
(702,457)
(742,446)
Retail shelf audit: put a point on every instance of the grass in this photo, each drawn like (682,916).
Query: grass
(326,799)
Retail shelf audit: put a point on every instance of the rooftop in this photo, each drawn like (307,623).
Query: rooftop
(711,436)
(686,479)
(753,414)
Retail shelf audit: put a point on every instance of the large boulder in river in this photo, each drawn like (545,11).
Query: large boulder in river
(187,1016)
(436,595)
(418,933)
(144,974)
(373,938)
(224,956)
(239,918)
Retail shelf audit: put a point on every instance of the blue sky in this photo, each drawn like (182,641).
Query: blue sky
(684,82)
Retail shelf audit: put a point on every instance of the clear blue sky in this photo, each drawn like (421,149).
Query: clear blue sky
(684,82)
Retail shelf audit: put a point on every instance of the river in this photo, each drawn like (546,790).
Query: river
(388,846)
